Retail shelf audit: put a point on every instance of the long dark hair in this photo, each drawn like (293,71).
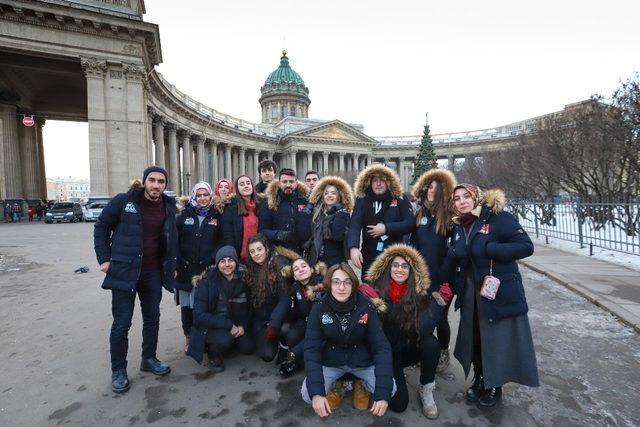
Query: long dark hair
(242,204)
(411,304)
(439,208)
(262,279)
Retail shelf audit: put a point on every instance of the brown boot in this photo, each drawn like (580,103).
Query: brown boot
(334,397)
(360,396)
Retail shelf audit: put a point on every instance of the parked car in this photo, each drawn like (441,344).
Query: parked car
(64,211)
(94,210)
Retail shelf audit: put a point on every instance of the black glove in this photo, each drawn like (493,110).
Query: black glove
(283,236)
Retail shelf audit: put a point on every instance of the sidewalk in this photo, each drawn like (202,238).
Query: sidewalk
(612,287)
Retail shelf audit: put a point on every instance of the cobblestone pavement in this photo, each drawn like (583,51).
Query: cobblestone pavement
(54,327)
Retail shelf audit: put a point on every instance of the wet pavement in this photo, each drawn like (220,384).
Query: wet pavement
(54,328)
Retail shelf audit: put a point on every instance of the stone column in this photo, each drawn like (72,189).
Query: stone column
(309,161)
(341,163)
(10,166)
(174,171)
(187,157)
(256,160)
(325,163)
(200,160)
(213,151)
(158,136)
(451,162)
(94,71)
(227,162)
(135,118)
(243,161)
(29,161)
(149,144)
(42,175)
(293,158)
(369,160)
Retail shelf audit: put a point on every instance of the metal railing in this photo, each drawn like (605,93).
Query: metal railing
(609,225)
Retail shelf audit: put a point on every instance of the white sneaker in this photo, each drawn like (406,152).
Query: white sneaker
(425,395)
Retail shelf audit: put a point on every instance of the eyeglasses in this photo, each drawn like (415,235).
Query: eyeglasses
(347,283)
(403,266)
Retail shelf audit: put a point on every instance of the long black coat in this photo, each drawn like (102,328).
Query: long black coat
(207,299)
(118,238)
(198,244)
(496,236)
(433,247)
(398,219)
(363,344)
(331,230)
(280,213)
(232,225)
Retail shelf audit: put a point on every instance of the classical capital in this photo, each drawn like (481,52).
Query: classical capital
(134,72)
(93,67)
(171,127)
(159,120)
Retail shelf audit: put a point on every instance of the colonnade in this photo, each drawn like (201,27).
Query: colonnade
(22,172)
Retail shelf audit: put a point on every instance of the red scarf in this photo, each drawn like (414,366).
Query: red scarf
(396,291)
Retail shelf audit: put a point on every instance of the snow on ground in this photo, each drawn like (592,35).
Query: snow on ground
(619,258)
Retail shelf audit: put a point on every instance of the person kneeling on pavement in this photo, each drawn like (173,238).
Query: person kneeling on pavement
(344,335)
(401,277)
(221,316)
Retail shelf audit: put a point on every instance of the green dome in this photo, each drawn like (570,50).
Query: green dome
(284,73)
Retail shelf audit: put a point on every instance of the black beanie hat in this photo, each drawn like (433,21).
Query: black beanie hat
(226,251)
(154,168)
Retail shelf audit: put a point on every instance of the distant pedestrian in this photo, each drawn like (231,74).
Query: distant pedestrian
(31,212)
(17,212)
(136,244)
(494,333)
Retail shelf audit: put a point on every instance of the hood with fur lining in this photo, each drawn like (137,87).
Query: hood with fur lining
(271,193)
(320,270)
(414,259)
(220,201)
(445,177)
(363,181)
(346,193)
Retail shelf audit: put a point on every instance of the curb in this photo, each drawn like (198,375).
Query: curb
(586,295)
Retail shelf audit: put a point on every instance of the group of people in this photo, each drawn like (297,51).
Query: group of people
(13,211)
(271,269)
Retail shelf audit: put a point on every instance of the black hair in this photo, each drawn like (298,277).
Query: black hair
(287,171)
(311,172)
(267,164)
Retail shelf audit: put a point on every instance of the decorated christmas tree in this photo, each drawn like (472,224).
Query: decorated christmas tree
(426,156)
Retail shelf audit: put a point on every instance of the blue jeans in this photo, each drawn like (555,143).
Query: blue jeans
(149,289)
(331,375)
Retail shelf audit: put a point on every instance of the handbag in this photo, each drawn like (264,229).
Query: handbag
(490,285)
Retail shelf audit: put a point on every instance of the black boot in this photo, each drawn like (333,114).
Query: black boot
(119,381)
(289,367)
(490,397)
(153,365)
(475,391)
(282,355)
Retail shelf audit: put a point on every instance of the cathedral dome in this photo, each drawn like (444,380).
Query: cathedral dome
(284,94)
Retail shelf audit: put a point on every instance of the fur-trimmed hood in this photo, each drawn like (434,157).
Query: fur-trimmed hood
(418,266)
(318,272)
(494,199)
(363,181)
(445,177)
(220,201)
(346,193)
(271,193)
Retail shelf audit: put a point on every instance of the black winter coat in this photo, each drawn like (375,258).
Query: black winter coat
(198,244)
(433,247)
(498,237)
(363,344)
(330,229)
(232,225)
(398,220)
(283,218)
(118,238)
(277,306)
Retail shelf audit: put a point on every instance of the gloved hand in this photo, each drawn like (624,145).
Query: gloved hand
(283,236)
(445,292)
(270,333)
(368,291)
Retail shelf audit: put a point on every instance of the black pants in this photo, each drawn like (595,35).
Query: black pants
(220,341)
(149,289)
(292,333)
(427,353)
(443,328)
(289,333)
(186,315)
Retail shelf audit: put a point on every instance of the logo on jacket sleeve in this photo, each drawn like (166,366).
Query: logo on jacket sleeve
(364,319)
(484,229)
(214,221)
(327,319)
(188,221)
(131,208)
(394,203)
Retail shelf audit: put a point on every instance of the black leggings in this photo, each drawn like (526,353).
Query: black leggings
(427,353)
(443,328)
(290,335)
(186,314)
(220,341)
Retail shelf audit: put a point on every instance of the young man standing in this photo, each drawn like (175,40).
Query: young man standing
(279,215)
(267,169)
(135,240)
(311,179)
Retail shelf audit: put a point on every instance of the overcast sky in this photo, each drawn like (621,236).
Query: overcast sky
(469,64)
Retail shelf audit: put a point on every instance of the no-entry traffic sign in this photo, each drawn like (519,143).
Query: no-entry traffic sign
(28,121)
